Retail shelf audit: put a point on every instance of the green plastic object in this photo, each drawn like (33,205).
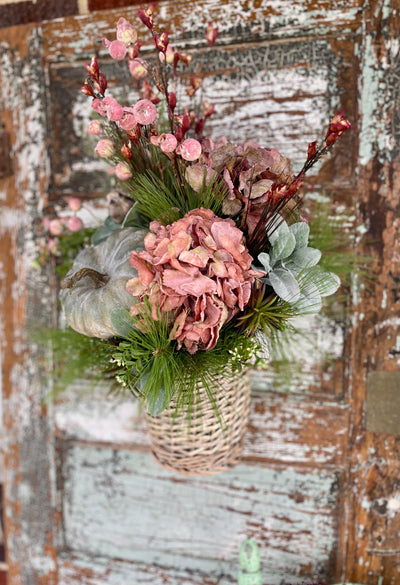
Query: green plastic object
(249,560)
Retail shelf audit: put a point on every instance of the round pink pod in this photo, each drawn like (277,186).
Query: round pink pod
(145,112)
(189,149)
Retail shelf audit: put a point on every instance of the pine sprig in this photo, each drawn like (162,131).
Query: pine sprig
(150,365)
(167,200)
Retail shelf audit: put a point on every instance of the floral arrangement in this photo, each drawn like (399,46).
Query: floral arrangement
(221,256)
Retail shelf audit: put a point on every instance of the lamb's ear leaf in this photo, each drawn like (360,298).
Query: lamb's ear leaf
(278,227)
(301,231)
(264,260)
(304,258)
(282,247)
(309,301)
(160,403)
(284,284)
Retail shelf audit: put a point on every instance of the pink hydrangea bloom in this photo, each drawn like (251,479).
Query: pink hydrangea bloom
(144,112)
(190,149)
(197,267)
(252,175)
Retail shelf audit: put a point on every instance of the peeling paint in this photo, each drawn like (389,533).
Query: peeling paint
(247,499)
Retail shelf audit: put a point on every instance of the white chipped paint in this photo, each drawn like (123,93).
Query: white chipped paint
(319,338)
(384,299)
(267,111)
(90,413)
(369,91)
(12,219)
(103,571)
(81,114)
(375,132)
(27,438)
(391,322)
(393,504)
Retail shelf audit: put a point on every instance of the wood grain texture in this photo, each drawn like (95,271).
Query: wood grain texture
(283,429)
(28,496)
(275,507)
(238,21)
(371,506)
(89,570)
(319,493)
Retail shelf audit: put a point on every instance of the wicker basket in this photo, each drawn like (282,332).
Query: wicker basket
(207,442)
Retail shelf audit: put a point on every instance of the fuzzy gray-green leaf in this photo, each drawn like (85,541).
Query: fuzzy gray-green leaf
(301,231)
(282,247)
(264,259)
(122,322)
(284,284)
(303,258)
(309,301)
(327,283)
(155,407)
(278,226)
(108,228)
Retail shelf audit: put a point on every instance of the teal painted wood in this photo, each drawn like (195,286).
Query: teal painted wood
(121,504)
(88,570)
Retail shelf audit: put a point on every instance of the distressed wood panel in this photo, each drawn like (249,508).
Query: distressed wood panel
(332,49)
(238,21)
(87,570)
(277,508)
(25,294)
(283,429)
(267,92)
(371,510)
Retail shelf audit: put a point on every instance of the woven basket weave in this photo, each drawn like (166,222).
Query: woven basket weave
(207,442)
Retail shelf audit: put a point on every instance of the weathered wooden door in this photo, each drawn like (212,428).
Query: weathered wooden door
(319,484)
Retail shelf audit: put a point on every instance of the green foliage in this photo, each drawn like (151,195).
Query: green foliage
(149,363)
(292,270)
(75,356)
(69,245)
(102,233)
(335,235)
(266,312)
(167,199)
